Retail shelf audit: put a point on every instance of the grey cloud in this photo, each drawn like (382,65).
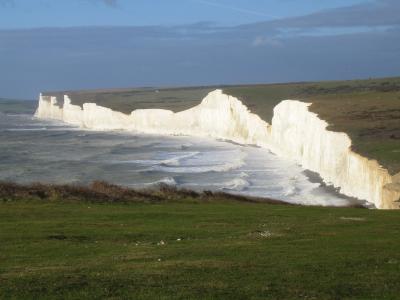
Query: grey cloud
(373,13)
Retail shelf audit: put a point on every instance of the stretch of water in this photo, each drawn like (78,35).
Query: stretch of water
(33,150)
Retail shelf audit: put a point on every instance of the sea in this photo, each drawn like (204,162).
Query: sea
(33,150)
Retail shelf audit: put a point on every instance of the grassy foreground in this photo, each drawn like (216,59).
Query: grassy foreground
(190,246)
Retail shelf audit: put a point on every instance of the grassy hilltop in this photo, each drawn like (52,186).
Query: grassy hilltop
(105,242)
(367,110)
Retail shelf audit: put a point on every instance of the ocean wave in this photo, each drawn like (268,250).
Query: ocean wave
(166,180)
(176,161)
(173,161)
(173,144)
(236,184)
(290,191)
(204,162)
(26,129)
(19,115)
(229,166)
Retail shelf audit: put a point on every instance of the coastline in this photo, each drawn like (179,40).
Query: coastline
(311,145)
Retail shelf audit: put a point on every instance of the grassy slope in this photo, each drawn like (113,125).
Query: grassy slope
(368,110)
(228,250)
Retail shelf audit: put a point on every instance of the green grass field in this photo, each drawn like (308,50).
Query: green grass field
(197,247)
(367,110)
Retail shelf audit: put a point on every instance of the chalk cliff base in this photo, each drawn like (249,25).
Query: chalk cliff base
(295,133)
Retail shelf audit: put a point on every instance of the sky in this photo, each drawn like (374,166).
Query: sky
(84,44)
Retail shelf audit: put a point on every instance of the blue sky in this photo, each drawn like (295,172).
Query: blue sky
(66,13)
(83,44)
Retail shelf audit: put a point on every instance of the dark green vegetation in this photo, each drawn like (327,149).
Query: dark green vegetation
(367,110)
(59,243)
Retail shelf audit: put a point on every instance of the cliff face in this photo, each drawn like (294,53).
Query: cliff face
(302,136)
(295,133)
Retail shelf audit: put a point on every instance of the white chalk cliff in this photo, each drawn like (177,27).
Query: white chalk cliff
(295,133)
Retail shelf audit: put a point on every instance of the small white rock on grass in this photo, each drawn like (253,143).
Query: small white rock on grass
(352,218)
(266,234)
